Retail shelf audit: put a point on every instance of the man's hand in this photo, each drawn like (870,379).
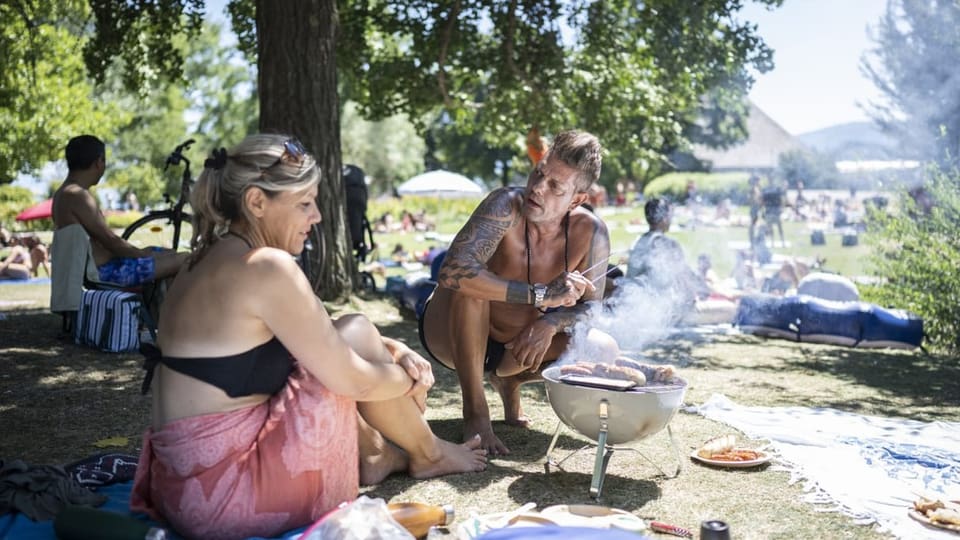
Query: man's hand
(531,345)
(566,289)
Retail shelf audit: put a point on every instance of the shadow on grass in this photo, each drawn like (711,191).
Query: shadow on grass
(59,398)
(900,379)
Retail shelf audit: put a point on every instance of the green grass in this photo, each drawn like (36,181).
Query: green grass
(626,224)
(61,400)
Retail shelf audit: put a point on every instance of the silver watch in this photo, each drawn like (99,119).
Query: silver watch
(539,293)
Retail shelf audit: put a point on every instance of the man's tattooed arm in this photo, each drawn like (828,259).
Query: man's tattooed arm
(478,240)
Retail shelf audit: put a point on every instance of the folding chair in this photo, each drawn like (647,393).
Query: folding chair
(73,271)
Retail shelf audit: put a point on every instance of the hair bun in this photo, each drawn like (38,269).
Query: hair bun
(218,159)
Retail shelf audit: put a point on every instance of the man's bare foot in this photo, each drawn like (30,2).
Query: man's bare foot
(480,427)
(509,390)
(449,458)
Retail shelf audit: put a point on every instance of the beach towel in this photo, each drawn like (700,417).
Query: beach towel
(867,467)
(256,471)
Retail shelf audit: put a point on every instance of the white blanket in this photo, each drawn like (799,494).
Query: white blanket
(868,467)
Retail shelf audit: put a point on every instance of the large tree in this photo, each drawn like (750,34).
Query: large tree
(914,66)
(637,74)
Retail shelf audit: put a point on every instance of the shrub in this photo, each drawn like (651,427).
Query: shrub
(13,200)
(917,253)
(441,211)
(711,187)
(122,220)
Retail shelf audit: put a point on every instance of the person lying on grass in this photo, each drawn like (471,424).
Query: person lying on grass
(266,413)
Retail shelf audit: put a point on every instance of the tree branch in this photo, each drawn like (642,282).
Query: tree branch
(445,38)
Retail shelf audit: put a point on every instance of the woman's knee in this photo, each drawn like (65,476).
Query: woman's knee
(356,329)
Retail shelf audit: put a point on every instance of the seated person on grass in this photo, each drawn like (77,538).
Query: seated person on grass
(657,263)
(118,261)
(17,263)
(267,413)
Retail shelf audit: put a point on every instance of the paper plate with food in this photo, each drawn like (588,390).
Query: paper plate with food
(937,513)
(724,452)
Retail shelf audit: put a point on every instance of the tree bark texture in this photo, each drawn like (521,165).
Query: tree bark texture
(298,95)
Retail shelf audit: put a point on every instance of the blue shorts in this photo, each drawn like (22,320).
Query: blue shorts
(128,272)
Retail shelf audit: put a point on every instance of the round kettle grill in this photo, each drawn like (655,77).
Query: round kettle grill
(611,416)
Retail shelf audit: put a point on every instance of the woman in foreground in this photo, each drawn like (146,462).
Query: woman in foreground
(256,393)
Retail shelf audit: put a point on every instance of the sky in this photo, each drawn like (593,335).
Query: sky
(818,45)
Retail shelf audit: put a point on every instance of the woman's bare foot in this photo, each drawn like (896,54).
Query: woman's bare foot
(509,390)
(449,458)
(378,457)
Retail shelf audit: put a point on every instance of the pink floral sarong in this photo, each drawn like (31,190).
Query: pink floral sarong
(257,471)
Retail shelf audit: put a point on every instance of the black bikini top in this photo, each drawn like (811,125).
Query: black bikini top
(263,369)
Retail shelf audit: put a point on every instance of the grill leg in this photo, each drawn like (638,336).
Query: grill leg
(553,442)
(603,455)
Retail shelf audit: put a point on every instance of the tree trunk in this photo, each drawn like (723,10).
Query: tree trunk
(296,45)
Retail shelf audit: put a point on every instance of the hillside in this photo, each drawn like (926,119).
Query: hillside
(852,141)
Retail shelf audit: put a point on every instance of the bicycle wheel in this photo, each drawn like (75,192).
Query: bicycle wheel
(157,229)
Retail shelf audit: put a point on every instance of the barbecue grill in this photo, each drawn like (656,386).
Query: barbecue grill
(612,417)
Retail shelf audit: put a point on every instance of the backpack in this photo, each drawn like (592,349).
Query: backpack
(355,187)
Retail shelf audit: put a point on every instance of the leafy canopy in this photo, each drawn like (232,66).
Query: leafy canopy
(639,75)
(45,95)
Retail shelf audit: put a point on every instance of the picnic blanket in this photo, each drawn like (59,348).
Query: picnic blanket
(867,467)
(19,527)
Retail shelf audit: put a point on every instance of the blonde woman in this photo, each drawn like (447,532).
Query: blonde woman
(267,413)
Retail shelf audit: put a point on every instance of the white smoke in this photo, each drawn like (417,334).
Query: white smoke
(635,315)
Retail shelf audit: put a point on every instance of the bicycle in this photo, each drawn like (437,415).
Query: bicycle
(156,221)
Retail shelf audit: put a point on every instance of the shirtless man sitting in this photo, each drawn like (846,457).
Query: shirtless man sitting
(117,260)
(514,281)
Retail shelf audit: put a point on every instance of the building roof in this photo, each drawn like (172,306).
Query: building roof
(766,140)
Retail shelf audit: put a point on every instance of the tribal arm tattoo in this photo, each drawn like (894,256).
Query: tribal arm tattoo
(478,240)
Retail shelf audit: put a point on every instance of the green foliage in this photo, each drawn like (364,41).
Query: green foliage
(121,220)
(45,96)
(219,91)
(437,209)
(13,200)
(222,90)
(389,151)
(814,169)
(139,34)
(917,254)
(914,66)
(639,75)
(711,187)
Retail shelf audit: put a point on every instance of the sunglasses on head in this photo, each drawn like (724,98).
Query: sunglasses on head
(293,151)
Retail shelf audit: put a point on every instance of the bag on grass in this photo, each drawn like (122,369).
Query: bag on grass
(109,321)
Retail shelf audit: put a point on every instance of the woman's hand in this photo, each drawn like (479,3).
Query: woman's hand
(419,369)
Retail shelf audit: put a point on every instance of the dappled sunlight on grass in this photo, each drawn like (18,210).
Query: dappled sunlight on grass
(93,376)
